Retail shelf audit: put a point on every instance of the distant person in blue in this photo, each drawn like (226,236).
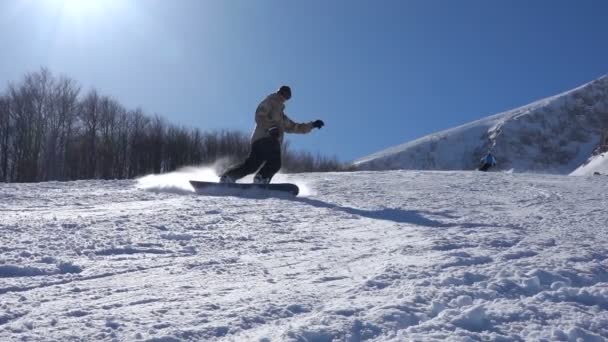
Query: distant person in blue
(487,162)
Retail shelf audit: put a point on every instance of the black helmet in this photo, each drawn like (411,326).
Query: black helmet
(285,91)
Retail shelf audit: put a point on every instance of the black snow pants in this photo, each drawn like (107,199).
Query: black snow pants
(265,151)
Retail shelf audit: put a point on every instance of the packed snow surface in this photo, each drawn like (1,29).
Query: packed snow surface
(367,256)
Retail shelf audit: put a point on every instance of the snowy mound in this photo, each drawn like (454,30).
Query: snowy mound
(382,256)
(596,165)
(553,135)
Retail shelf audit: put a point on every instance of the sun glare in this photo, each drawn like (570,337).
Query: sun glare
(83,14)
(81,7)
(77,20)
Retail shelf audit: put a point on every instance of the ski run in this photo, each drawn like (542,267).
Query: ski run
(363,256)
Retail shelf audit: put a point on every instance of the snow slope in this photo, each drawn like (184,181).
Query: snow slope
(552,135)
(596,164)
(382,256)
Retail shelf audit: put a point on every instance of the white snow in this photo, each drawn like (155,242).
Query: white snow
(597,165)
(553,135)
(366,256)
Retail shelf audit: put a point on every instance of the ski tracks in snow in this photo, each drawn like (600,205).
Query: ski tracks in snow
(372,256)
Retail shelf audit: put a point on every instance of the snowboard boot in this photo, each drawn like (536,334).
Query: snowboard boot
(258,179)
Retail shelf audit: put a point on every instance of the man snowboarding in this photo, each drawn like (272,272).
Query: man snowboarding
(271,124)
(487,162)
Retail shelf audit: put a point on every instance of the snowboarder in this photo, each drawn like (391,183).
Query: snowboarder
(487,162)
(271,124)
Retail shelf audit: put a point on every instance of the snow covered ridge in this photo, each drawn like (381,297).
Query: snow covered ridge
(372,256)
(553,135)
(596,165)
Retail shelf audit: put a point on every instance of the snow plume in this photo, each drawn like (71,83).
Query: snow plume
(177,181)
(305,188)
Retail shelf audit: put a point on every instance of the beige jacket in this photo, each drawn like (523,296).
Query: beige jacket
(270,113)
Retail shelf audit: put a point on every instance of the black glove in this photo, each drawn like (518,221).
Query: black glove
(318,124)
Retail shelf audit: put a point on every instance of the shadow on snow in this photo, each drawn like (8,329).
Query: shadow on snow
(395,215)
(415,217)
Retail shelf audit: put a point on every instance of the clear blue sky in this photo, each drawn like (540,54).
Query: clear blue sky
(379,73)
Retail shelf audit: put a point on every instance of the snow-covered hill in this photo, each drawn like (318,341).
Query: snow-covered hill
(382,256)
(553,135)
(596,165)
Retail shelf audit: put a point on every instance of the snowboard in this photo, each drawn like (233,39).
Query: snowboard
(283,187)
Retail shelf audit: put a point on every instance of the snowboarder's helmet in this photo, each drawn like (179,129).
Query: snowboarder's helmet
(285,91)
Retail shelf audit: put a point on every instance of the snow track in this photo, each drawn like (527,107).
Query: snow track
(373,256)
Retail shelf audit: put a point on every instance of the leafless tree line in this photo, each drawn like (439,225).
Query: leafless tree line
(49,130)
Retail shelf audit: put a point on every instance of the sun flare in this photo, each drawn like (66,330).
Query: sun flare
(81,7)
(84,14)
(84,9)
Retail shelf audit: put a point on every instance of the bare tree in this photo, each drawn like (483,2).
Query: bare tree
(156,143)
(121,167)
(5,135)
(25,122)
(138,125)
(47,132)
(110,113)
(63,104)
(90,119)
